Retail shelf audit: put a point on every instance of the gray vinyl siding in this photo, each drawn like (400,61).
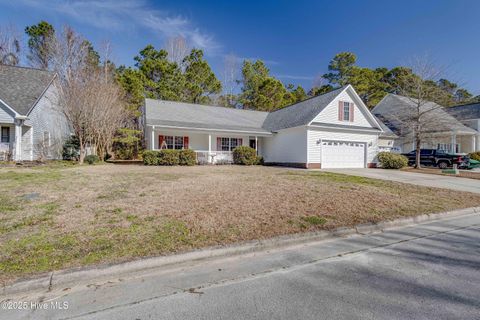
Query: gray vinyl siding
(6,115)
(46,116)
(26,143)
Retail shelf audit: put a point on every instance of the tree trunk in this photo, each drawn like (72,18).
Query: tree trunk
(81,156)
(417,155)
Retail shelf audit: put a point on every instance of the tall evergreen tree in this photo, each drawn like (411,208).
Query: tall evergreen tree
(39,44)
(200,81)
(260,91)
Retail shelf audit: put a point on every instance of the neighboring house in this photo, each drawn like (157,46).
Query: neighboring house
(441,131)
(31,124)
(333,130)
(469,115)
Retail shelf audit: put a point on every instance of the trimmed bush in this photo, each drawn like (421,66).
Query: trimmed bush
(91,159)
(390,160)
(169,157)
(150,158)
(187,157)
(245,155)
(474,155)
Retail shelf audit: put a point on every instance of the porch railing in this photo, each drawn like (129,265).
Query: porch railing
(5,152)
(214,157)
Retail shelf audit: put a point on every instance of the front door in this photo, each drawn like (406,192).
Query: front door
(253,144)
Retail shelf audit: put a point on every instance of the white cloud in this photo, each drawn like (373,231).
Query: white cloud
(127,14)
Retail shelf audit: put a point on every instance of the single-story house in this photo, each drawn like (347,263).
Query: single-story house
(440,128)
(31,124)
(469,115)
(333,130)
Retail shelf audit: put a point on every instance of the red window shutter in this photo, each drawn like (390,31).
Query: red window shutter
(340,110)
(352,112)
(240,142)
(185,142)
(161,139)
(219,144)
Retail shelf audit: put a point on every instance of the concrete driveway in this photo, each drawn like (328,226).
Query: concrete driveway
(421,179)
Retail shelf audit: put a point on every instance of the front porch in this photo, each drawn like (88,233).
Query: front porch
(453,142)
(210,146)
(15,142)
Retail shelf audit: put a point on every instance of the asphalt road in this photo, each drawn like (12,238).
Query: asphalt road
(428,271)
(421,179)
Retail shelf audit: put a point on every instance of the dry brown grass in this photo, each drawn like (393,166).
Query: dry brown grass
(110,213)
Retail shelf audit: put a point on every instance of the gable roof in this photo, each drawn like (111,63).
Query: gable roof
(391,108)
(465,112)
(387,132)
(188,115)
(301,113)
(20,88)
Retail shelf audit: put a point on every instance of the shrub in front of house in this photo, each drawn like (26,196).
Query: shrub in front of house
(474,155)
(91,159)
(187,157)
(169,157)
(150,158)
(390,160)
(71,149)
(245,155)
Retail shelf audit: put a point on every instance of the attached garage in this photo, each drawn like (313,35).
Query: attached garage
(343,154)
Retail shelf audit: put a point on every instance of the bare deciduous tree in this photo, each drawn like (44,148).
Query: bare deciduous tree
(89,97)
(177,49)
(230,81)
(9,46)
(419,118)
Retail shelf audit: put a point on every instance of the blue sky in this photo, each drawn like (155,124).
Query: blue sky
(297,39)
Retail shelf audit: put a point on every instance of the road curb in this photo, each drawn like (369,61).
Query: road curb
(70,277)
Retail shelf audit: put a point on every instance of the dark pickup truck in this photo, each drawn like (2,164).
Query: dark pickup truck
(437,158)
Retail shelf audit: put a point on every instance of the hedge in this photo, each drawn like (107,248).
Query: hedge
(169,157)
(390,160)
(474,155)
(245,155)
(187,157)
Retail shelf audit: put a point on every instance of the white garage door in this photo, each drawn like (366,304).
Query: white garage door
(342,154)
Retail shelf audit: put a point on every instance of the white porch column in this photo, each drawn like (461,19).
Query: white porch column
(454,142)
(18,140)
(256,145)
(477,143)
(209,159)
(474,143)
(152,139)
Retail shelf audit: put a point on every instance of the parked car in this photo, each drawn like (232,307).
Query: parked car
(438,158)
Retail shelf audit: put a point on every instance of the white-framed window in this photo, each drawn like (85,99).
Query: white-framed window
(228,144)
(173,142)
(46,138)
(178,143)
(169,141)
(346,111)
(5,134)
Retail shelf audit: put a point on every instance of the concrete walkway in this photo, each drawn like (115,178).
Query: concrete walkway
(425,271)
(421,179)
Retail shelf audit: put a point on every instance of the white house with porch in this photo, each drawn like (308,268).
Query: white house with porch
(332,130)
(440,128)
(31,124)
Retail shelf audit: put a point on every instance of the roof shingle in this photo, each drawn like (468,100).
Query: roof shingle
(21,87)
